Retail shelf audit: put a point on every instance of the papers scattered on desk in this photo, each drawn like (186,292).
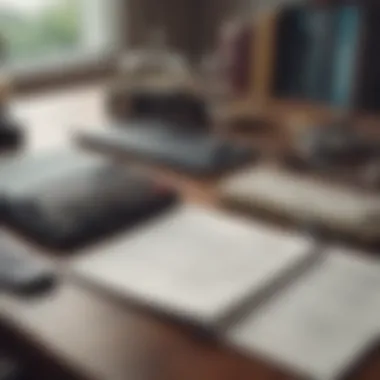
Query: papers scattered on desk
(320,325)
(264,289)
(201,265)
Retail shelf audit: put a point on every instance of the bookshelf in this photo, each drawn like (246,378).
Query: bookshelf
(345,82)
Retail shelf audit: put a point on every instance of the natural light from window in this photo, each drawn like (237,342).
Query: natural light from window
(39,30)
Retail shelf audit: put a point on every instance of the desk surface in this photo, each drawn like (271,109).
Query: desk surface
(96,337)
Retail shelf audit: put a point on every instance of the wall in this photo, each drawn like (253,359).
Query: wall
(180,19)
(192,25)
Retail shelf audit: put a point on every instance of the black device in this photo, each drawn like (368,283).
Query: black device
(12,367)
(191,151)
(20,272)
(11,135)
(9,369)
(177,106)
(82,200)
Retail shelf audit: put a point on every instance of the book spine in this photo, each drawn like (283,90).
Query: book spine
(235,49)
(264,56)
(367,86)
(345,56)
(317,75)
(291,43)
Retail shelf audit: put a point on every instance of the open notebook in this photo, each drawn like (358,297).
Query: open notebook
(322,323)
(306,200)
(196,264)
(264,291)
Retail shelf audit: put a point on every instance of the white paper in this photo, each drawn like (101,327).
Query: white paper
(320,325)
(195,263)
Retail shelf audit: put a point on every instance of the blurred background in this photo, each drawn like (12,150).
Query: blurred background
(287,89)
(43,35)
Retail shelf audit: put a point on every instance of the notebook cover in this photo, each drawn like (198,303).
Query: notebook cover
(323,323)
(199,265)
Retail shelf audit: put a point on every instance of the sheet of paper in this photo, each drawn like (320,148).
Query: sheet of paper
(321,324)
(195,263)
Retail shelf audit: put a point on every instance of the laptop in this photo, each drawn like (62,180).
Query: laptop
(67,200)
(191,151)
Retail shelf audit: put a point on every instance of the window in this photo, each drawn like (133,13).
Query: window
(38,31)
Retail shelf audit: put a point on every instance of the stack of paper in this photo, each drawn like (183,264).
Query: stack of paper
(201,265)
(306,200)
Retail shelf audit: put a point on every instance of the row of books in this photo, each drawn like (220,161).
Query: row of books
(319,53)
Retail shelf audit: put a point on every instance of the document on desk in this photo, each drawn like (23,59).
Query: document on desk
(323,323)
(304,199)
(198,264)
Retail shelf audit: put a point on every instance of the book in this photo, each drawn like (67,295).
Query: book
(305,200)
(323,323)
(304,50)
(236,52)
(319,26)
(345,55)
(318,53)
(197,265)
(264,55)
(291,48)
(367,86)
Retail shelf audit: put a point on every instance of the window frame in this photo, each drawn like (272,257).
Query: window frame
(78,59)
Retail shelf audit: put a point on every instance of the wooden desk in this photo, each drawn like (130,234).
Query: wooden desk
(79,333)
